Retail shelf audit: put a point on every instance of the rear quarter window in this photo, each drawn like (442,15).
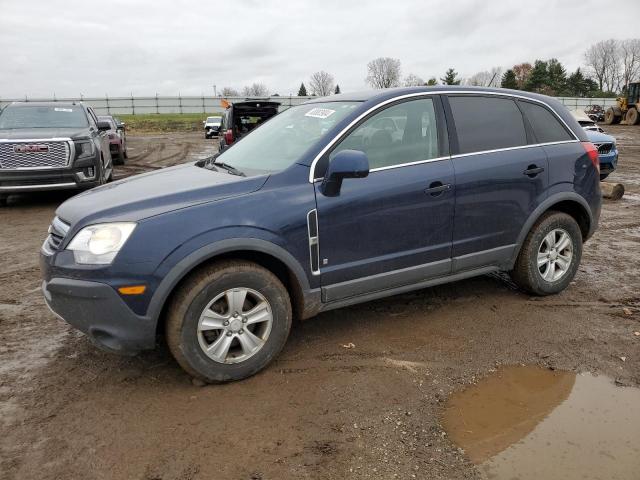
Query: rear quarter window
(546,126)
(486,123)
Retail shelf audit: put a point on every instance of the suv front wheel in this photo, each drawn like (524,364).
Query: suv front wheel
(228,321)
(550,255)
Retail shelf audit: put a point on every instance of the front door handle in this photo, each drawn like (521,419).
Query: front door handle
(533,170)
(437,188)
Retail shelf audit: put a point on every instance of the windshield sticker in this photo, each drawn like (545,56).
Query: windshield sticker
(319,113)
(63,109)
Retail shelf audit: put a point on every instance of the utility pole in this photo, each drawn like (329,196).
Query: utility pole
(215,91)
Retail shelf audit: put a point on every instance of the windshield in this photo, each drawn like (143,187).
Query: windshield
(213,119)
(33,116)
(282,140)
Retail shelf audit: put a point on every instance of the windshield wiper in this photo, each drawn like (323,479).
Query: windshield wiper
(229,168)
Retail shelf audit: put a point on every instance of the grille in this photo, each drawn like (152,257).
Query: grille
(604,148)
(57,155)
(57,231)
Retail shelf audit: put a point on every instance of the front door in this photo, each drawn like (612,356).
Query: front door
(394,227)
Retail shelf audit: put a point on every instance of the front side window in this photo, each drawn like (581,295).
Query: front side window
(33,116)
(282,140)
(487,123)
(400,134)
(546,127)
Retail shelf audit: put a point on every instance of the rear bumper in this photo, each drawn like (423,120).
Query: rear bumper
(97,310)
(34,180)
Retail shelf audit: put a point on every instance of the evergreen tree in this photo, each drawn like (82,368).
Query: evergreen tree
(509,80)
(431,82)
(337,89)
(303,90)
(538,80)
(557,77)
(450,78)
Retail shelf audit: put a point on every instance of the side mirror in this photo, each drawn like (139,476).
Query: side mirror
(346,164)
(104,126)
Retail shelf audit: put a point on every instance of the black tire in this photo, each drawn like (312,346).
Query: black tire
(119,160)
(632,117)
(612,116)
(3,200)
(526,273)
(603,176)
(192,298)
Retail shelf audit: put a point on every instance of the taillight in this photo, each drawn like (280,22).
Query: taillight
(592,151)
(228,137)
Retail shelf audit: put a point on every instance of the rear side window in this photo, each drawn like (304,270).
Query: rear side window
(546,126)
(486,123)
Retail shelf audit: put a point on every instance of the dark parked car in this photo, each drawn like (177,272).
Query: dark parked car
(595,113)
(242,117)
(303,215)
(51,146)
(117,139)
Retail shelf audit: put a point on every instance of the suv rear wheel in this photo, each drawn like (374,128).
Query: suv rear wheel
(228,321)
(550,255)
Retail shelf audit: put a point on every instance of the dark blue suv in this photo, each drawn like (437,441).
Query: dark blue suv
(334,202)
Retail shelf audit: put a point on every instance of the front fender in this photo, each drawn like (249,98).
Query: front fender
(179,270)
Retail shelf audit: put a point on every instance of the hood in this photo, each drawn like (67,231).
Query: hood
(42,133)
(142,196)
(597,137)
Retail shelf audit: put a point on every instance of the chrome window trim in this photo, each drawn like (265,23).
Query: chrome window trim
(379,106)
(71,148)
(506,149)
(408,164)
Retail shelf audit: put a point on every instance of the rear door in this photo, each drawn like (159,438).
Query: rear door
(392,228)
(501,177)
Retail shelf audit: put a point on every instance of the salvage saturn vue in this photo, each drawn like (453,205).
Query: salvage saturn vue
(330,203)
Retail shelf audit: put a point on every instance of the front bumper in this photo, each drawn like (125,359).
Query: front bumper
(608,161)
(97,310)
(35,180)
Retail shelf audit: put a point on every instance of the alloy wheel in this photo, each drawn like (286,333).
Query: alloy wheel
(554,255)
(235,325)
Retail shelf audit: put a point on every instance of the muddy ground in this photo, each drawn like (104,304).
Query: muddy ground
(322,410)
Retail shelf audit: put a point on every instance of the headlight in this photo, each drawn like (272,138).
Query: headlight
(84,149)
(99,244)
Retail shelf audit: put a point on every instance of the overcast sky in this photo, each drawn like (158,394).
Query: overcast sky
(170,46)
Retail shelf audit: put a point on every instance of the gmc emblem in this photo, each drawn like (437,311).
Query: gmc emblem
(31,148)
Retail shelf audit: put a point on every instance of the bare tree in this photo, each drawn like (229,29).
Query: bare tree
(412,80)
(230,92)
(630,60)
(383,72)
(480,79)
(321,84)
(603,62)
(256,90)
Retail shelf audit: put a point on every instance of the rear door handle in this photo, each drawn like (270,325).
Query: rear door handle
(533,170)
(437,188)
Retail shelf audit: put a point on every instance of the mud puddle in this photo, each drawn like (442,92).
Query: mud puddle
(532,423)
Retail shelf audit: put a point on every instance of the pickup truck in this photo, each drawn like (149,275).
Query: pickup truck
(52,146)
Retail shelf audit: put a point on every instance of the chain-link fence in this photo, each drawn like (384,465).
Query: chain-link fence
(202,104)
